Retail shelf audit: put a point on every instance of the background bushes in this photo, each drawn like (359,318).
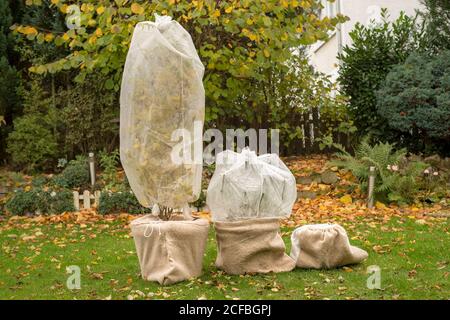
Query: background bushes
(9,77)
(366,63)
(40,201)
(23,202)
(396,77)
(89,117)
(437,15)
(414,100)
(75,174)
(33,143)
(119,202)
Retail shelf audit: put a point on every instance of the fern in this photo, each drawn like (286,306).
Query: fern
(379,156)
(401,184)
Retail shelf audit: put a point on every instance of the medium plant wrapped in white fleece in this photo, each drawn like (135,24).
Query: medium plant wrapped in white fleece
(162,91)
(246,186)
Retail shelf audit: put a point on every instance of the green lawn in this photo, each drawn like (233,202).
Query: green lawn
(414,261)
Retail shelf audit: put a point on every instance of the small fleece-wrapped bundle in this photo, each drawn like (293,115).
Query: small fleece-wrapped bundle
(323,246)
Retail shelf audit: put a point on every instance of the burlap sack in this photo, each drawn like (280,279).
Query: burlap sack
(323,246)
(169,251)
(253,245)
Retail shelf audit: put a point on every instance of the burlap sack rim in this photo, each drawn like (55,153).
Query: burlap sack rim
(139,221)
(249,220)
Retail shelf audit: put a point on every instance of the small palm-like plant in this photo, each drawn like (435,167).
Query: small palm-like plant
(382,156)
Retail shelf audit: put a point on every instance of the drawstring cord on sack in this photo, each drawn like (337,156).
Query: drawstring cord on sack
(151,224)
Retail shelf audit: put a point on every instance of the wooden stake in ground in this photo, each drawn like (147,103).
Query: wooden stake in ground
(92,167)
(371,187)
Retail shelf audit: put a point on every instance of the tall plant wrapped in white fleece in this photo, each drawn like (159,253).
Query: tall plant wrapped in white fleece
(246,186)
(162,93)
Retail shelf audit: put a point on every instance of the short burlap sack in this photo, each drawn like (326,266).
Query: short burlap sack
(251,246)
(169,251)
(323,246)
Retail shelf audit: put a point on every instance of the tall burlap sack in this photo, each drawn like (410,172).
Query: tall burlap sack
(323,246)
(169,251)
(251,246)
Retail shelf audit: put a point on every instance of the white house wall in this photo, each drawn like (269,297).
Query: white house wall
(363,11)
(326,56)
(323,56)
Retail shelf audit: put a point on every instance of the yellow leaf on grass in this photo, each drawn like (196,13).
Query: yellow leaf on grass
(100,10)
(421,221)
(92,40)
(48,37)
(347,199)
(229,9)
(266,53)
(216,13)
(136,8)
(29,30)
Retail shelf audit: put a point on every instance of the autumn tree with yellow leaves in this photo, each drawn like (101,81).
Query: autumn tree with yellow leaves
(243,44)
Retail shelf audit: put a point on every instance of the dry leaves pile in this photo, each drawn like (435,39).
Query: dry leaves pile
(83,220)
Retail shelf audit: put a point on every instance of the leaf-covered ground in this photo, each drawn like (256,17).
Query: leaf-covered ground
(413,258)
(410,245)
